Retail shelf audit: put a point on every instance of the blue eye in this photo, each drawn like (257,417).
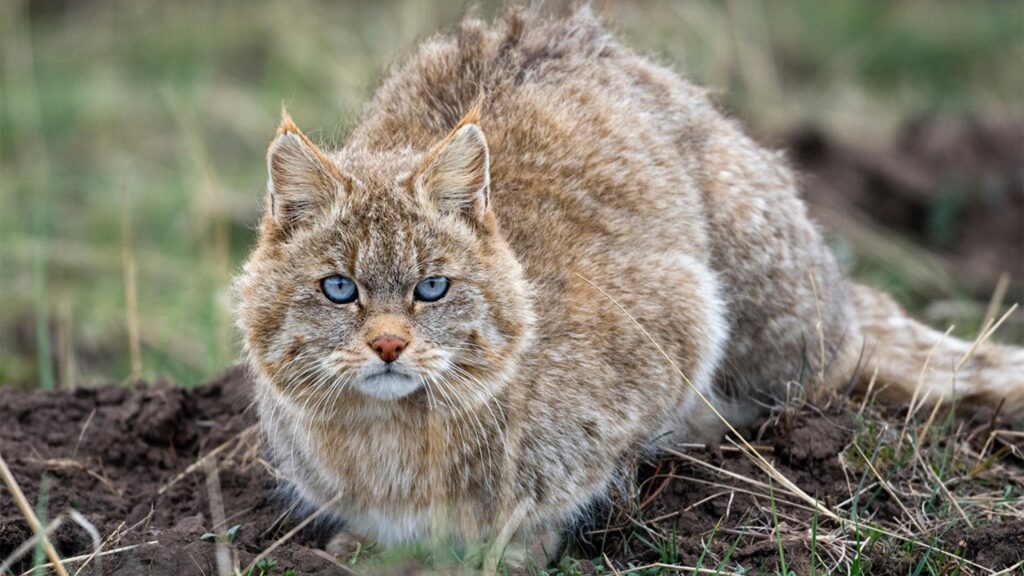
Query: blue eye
(431,289)
(339,289)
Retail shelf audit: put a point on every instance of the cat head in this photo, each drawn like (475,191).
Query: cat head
(382,276)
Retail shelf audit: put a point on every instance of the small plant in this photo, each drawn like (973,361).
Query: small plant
(356,553)
(266,566)
(227,537)
(568,566)
(263,567)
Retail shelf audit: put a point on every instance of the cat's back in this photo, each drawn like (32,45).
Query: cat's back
(588,140)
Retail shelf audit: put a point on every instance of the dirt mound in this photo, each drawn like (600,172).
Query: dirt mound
(125,459)
(140,464)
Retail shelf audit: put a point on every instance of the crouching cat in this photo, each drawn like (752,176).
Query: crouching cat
(433,315)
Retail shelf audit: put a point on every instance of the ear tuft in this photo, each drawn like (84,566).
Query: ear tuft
(302,179)
(456,176)
(287,125)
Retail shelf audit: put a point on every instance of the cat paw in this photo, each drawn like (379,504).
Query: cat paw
(347,546)
(535,550)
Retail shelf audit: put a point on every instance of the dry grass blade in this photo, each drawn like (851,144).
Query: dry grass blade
(67,464)
(26,510)
(211,454)
(949,496)
(678,568)
(764,448)
(610,565)
(819,328)
(892,493)
(131,306)
(718,470)
(931,419)
(732,490)
(985,335)
(59,567)
(94,535)
(986,332)
(912,409)
(222,550)
(334,561)
(114,536)
(998,295)
(81,435)
(291,533)
(1011,570)
(867,395)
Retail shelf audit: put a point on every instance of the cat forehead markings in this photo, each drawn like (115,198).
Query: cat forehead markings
(370,171)
(386,240)
(384,260)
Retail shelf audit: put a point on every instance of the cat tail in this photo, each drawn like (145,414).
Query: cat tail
(912,362)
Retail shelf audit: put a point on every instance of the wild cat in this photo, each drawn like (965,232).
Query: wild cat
(433,315)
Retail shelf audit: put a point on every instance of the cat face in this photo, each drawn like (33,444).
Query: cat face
(382,277)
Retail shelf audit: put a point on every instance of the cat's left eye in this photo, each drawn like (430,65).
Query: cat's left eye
(431,289)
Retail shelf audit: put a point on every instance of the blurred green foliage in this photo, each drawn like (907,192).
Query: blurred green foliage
(159,112)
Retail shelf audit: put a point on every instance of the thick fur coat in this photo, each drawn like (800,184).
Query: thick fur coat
(551,175)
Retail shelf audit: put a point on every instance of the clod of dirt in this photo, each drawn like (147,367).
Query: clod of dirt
(813,440)
(995,545)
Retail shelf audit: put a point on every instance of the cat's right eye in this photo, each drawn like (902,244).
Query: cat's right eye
(339,289)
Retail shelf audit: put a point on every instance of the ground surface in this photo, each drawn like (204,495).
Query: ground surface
(126,459)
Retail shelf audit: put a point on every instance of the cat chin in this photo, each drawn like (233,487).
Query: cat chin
(388,386)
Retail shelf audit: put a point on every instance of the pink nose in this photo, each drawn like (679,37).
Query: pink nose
(388,347)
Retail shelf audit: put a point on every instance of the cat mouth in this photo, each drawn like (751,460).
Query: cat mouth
(389,370)
(388,383)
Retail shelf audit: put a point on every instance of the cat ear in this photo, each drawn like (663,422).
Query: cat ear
(456,175)
(302,180)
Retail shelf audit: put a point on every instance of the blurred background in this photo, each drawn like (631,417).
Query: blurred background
(132,139)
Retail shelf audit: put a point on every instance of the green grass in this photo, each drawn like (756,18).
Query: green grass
(42,513)
(171,104)
(783,568)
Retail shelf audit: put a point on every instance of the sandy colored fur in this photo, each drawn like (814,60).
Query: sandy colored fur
(596,162)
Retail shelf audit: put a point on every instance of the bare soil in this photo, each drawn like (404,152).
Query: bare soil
(125,458)
(952,186)
(109,451)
